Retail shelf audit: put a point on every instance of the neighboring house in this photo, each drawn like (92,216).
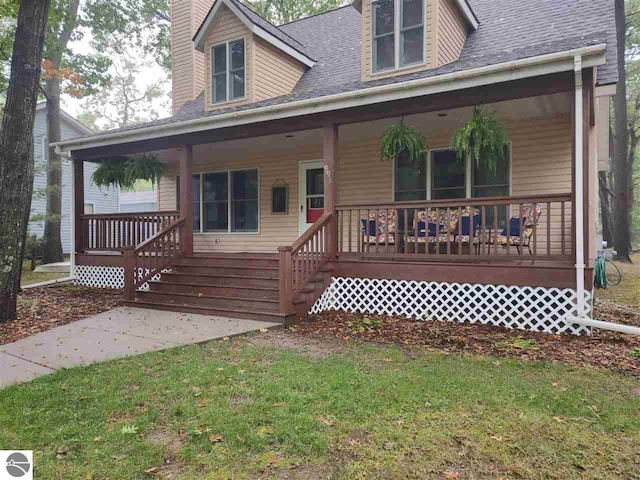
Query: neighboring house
(145,201)
(96,200)
(276,201)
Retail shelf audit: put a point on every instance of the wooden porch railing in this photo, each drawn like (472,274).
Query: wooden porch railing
(114,232)
(148,259)
(302,260)
(453,230)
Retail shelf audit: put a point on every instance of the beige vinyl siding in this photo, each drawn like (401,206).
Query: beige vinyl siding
(275,229)
(275,73)
(541,164)
(225,28)
(452,32)
(445,37)
(188,64)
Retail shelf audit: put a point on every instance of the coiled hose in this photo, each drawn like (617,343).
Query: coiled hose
(601,279)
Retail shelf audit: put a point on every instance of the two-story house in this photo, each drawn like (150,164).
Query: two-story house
(276,200)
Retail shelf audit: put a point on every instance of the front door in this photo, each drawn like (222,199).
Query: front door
(311,193)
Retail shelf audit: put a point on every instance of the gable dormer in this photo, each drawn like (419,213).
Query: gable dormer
(247,59)
(404,36)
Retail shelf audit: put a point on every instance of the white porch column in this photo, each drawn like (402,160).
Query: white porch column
(578,187)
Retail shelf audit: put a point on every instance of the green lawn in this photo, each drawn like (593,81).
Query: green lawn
(628,292)
(251,409)
(30,277)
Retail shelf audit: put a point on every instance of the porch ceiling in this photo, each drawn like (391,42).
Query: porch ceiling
(545,106)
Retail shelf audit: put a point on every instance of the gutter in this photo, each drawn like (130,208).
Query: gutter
(501,72)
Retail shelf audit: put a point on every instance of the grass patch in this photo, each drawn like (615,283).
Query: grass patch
(30,277)
(237,410)
(628,292)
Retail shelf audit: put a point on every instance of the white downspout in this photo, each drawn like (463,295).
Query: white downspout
(72,243)
(579,187)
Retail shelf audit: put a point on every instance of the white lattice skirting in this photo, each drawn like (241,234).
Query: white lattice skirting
(104,277)
(524,308)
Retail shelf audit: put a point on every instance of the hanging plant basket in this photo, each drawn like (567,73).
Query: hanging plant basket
(124,172)
(401,140)
(481,140)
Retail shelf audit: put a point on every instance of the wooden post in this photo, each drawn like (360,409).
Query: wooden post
(285,284)
(80,235)
(330,159)
(186,197)
(129,274)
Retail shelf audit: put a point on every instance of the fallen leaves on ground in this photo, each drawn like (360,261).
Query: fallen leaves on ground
(41,309)
(603,349)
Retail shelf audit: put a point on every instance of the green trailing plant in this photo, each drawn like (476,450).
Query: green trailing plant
(481,140)
(124,172)
(401,140)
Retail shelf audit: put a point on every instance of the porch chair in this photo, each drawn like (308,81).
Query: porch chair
(529,216)
(428,225)
(387,228)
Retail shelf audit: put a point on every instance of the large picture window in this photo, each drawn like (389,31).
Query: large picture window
(228,71)
(225,202)
(442,176)
(398,33)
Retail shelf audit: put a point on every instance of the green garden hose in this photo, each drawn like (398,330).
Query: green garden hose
(601,278)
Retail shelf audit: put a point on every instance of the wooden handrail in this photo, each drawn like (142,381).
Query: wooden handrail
(299,262)
(165,213)
(153,256)
(164,231)
(304,238)
(462,202)
(118,231)
(532,227)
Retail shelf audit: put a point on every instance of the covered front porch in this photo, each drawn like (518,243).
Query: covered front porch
(313,195)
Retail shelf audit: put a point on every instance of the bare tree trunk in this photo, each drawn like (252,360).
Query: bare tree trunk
(52,244)
(606,214)
(16,148)
(622,171)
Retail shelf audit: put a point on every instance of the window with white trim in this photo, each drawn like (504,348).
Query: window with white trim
(225,202)
(228,72)
(398,33)
(442,176)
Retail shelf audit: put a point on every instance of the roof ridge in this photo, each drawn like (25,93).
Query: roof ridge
(315,15)
(270,23)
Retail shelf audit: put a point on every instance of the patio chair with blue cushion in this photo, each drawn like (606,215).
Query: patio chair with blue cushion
(380,233)
(529,216)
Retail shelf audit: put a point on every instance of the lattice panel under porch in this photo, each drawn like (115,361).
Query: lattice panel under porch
(524,308)
(105,277)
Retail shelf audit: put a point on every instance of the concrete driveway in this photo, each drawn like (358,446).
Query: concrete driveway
(118,333)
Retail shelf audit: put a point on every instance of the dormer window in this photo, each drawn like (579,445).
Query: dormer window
(398,33)
(228,71)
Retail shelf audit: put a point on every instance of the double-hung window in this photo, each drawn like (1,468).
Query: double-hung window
(398,33)
(225,202)
(443,176)
(228,71)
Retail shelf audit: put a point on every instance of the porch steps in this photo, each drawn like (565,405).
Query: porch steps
(229,285)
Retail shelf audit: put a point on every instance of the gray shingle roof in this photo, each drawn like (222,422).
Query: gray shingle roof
(509,30)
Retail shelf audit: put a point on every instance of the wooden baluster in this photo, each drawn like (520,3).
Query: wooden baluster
(548,229)
(416,230)
(405,233)
(376,228)
(509,231)
(535,235)
(521,220)
(386,230)
(448,232)
(562,227)
(460,228)
(495,229)
(472,233)
(484,230)
(350,228)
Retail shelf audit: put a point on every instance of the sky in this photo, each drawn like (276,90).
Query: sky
(149,74)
